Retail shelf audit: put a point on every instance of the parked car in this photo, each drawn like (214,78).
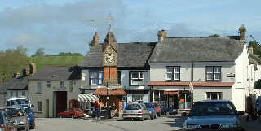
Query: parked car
(152,110)
(158,109)
(30,116)
(136,111)
(213,115)
(72,112)
(18,115)
(169,111)
(5,123)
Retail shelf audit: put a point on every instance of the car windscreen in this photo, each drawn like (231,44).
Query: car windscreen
(133,107)
(149,105)
(213,108)
(12,111)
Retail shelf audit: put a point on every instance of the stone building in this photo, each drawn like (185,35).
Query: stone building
(51,89)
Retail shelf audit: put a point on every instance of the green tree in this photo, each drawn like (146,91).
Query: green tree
(257,48)
(39,52)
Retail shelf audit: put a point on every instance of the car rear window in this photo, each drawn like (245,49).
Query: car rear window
(133,107)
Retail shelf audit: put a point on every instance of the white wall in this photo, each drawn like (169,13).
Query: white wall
(158,70)
(199,93)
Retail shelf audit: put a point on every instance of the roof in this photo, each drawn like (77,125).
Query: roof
(57,74)
(197,49)
(195,84)
(16,84)
(105,92)
(134,54)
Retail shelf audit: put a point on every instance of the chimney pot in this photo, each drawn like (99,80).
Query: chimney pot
(242,32)
(161,35)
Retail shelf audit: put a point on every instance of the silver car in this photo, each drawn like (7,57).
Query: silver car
(136,111)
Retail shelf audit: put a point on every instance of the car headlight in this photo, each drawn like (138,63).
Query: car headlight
(230,126)
(192,126)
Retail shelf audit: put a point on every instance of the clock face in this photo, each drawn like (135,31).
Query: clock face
(109,57)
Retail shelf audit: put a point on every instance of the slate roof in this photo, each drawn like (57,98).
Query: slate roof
(15,84)
(57,74)
(134,54)
(197,49)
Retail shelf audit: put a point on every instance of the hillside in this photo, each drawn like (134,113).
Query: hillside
(56,60)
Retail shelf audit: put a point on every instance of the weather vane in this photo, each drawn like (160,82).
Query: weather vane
(110,18)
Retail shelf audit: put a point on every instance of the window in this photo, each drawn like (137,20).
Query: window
(71,86)
(173,73)
(61,84)
(96,78)
(39,106)
(48,84)
(23,93)
(136,78)
(214,95)
(137,97)
(39,87)
(119,77)
(16,93)
(213,73)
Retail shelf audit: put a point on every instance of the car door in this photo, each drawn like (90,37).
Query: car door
(146,111)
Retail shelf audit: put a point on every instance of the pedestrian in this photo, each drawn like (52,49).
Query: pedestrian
(97,110)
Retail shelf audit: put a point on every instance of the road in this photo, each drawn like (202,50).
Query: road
(68,124)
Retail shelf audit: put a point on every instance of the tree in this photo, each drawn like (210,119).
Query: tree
(215,35)
(22,49)
(39,52)
(256,47)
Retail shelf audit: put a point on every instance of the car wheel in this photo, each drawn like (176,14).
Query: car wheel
(151,117)
(142,119)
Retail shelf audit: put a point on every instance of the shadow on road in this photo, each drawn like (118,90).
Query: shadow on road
(177,122)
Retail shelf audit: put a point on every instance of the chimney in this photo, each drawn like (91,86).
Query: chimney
(110,39)
(242,32)
(96,39)
(32,67)
(17,75)
(250,49)
(26,72)
(161,35)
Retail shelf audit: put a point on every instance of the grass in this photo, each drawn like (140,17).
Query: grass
(46,61)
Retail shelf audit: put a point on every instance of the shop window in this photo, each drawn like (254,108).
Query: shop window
(39,106)
(39,87)
(136,78)
(213,73)
(137,97)
(96,77)
(48,84)
(173,73)
(214,95)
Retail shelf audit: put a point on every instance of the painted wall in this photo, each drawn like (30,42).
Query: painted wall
(48,94)
(158,70)
(200,93)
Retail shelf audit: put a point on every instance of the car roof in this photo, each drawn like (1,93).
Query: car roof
(214,101)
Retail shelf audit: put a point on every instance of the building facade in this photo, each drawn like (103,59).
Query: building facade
(52,89)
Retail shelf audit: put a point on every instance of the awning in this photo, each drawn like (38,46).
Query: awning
(87,98)
(113,92)
(171,92)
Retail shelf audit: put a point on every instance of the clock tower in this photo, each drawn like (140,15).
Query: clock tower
(110,60)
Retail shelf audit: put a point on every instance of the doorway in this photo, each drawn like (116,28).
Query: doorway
(61,101)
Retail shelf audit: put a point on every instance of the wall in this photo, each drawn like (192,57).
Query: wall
(199,93)
(48,94)
(158,70)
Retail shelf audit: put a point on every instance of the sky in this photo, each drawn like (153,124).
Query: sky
(69,25)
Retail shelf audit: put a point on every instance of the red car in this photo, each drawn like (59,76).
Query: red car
(158,109)
(72,112)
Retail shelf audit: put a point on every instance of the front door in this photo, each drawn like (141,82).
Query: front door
(61,101)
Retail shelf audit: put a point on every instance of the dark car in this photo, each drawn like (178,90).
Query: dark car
(213,115)
(5,124)
(18,115)
(152,110)
(30,116)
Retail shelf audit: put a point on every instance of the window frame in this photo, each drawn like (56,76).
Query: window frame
(39,104)
(48,84)
(219,95)
(172,72)
(139,78)
(213,73)
(100,77)
(39,87)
